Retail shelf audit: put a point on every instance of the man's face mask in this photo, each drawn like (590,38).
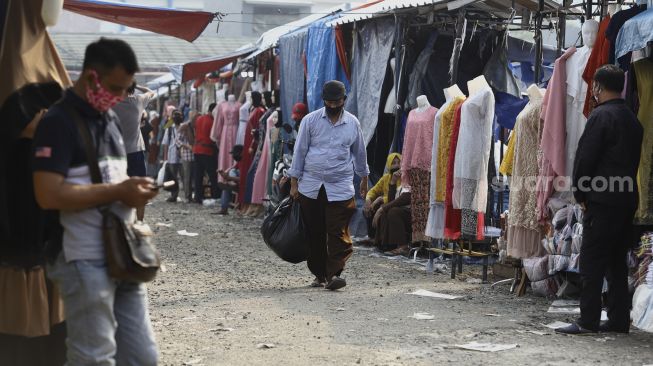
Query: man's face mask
(333,111)
(100,99)
(596,90)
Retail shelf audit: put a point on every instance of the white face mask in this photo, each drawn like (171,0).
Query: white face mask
(596,90)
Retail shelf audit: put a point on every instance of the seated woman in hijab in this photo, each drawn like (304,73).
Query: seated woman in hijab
(391,221)
(32,331)
(378,194)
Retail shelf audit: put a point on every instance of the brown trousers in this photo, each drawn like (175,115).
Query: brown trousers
(328,234)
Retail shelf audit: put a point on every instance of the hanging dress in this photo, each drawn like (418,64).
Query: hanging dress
(259,192)
(243,118)
(415,165)
(470,188)
(224,133)
(258,151)
(452,216)
(435,221)
(524,234)
(644,74)
(246,161)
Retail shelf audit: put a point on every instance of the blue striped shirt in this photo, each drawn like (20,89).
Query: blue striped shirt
(327,154)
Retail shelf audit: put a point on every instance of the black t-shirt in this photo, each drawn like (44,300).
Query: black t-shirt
(58,148)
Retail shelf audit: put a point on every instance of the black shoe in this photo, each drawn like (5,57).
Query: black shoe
(171,199)
(606,327)
(336,283)
(574,329)
(317,282)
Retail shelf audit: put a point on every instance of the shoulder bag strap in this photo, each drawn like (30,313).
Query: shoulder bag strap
(89,145)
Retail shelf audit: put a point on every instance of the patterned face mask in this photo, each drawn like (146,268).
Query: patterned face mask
(101,99)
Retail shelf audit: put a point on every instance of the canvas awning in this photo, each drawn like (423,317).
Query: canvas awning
(187,25)
(199,68)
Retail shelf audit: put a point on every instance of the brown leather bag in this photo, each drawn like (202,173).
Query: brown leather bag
(129,250)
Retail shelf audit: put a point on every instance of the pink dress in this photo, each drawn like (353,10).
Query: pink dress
(552,157)
(224,132)
(261,177)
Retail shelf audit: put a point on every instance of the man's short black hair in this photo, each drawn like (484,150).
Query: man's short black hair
(211,107)
(132,89)
(610,77)
(109,53)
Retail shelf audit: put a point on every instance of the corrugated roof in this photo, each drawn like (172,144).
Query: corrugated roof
(388,7)
(155,52)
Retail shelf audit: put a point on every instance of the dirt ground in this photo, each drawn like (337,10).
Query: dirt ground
(224,298)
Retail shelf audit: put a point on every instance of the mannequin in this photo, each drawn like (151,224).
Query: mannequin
(50,12)
(225,131)
(452,92)
(391,102)
(577,90)
(416,162)
(243,117)
(435,221)
(476,85)
(534,92)
(422,103)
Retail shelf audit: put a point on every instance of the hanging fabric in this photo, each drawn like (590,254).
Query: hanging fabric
(373,43)
(419,71)
(292,47)
(497,71)
(322,61)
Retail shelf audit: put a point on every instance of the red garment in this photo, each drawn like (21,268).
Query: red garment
(452,217)
(341,49)
(246,161)
(203,144)
(599,57)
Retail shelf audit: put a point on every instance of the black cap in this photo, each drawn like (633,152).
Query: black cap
(333,90)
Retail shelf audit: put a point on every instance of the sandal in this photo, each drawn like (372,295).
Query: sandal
(402,250)
(318,282)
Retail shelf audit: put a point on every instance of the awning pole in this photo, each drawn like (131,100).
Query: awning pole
(538,43)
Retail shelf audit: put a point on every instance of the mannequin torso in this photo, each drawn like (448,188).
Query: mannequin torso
(453,91)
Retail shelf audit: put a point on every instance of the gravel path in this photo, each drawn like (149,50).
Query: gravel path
(225,299)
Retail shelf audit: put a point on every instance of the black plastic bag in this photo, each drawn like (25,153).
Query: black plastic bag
(285,233)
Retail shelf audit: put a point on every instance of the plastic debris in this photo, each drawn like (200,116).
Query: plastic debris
(436,295)
(163,224)
(486,347)
(265,345)
(422,316)
(186,233)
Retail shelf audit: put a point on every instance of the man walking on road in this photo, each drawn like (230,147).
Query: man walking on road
(107,320)
(608,152)
(130,112)
(329,149)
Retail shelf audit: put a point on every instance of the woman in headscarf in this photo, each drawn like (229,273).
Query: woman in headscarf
(32,331)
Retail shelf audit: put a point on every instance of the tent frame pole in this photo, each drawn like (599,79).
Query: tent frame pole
(538,43)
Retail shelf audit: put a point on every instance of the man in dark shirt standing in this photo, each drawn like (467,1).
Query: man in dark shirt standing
(605,185)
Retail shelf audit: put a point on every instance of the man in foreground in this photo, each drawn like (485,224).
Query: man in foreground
(605,185)
(107,320)
(329,149)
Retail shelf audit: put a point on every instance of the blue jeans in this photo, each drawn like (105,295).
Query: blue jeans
(107,320)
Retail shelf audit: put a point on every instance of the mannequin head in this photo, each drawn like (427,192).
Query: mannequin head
(453,92)
(231,98)
(589,31)
(50,11)
(477,84)
(614,9)
(248,97)
(534,92)
(422,102)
